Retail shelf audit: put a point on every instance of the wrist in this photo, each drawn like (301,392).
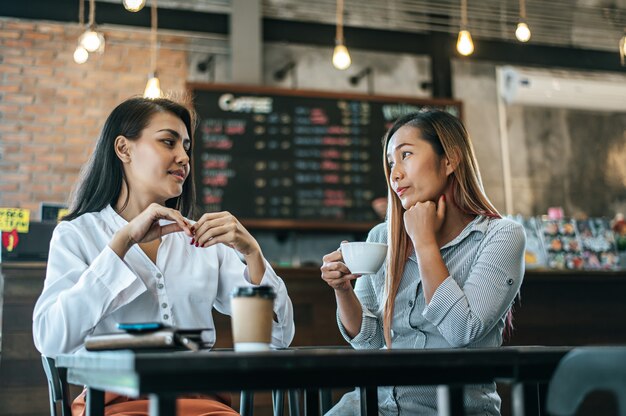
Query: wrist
(425,248)
(121,242)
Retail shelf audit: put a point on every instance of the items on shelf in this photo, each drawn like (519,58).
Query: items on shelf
(568,243)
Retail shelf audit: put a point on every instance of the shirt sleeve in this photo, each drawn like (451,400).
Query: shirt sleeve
(79,292)
(463,315)
(371,334)
(233,273)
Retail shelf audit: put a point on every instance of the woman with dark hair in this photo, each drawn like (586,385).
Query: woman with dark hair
(128,252)
(453,267)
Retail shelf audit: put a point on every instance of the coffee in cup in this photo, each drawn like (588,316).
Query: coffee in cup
(363,257)
(252,310)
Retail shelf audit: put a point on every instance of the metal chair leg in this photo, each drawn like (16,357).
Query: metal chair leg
(278,401)
(246,403)
(294,402)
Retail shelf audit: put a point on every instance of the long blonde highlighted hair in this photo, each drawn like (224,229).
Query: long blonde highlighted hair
(448,137)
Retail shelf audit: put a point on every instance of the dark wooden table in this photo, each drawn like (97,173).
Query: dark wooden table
(163,376)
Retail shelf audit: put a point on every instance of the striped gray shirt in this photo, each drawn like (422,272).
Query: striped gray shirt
(468,309)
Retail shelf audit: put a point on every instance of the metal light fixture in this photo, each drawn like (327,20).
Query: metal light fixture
(341,56)
(522,33)
(365,72)
(622,49)
(464,43)
(92,40)
(133,5)
(153,87)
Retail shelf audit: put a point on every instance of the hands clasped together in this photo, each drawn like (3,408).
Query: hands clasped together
(210,229)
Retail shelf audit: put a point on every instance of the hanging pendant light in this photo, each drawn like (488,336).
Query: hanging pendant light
(464,43)
(80,55)
(92,40)
(522,32)
(341,56)
(153,87)
(133,5)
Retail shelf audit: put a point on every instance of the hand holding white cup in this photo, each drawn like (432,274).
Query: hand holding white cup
(363,257)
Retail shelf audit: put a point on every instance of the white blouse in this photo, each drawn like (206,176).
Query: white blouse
(89,289)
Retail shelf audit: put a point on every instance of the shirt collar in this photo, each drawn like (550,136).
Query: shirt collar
(477,227)
(113,217)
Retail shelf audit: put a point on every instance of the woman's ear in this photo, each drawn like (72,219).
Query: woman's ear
(452,161)
(122,148)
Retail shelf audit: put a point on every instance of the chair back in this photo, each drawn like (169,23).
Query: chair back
(583,370)
(58,388)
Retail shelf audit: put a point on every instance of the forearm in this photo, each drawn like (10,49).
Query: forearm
(256,267)
(350,311)
(432,269)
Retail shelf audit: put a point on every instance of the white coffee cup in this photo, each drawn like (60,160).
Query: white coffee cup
(362,257)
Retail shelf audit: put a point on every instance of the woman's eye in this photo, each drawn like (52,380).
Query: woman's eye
(391,165)
(169,142)
(405,154)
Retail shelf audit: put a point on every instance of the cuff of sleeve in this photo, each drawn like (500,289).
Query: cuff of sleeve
(445,297)
(369,325)
(270,278)
(116,276)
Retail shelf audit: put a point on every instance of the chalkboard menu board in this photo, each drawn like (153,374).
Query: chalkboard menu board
(294,159)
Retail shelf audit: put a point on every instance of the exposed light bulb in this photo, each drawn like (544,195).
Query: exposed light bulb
(522,33)
(341,57)
(464,44)
(153,88)
(92,41)
(80,55)
(133,5)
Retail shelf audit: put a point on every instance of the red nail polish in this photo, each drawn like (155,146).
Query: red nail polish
(192,241)
(196,244)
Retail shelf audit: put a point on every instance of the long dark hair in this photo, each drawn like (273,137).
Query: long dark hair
(448,137)
(102,177)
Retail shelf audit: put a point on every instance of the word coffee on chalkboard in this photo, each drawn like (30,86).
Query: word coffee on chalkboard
(290,158)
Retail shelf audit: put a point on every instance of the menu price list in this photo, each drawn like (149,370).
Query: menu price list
(267,156)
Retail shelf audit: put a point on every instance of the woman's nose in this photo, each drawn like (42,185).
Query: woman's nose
(396,173)
(182,158)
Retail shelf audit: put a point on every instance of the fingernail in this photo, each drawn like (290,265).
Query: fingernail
(192,241)
(197,244)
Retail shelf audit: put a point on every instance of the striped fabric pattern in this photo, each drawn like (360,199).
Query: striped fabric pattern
(468,310)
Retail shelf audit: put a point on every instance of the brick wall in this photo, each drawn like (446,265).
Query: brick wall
(52,109)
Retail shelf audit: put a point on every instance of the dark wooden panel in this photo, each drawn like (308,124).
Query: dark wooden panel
(19,346)
(21,373)
(16,318)
(24,401)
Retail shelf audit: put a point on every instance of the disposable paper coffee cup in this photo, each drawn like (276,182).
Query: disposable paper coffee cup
(252,312)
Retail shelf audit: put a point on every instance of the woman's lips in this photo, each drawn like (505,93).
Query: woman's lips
(180,175)
(400,191)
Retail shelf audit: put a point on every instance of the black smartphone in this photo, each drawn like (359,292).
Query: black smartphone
(139,327)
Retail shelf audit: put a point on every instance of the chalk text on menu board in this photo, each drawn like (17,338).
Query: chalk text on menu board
(273,156)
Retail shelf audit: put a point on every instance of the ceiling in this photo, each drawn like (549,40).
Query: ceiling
(587,24)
